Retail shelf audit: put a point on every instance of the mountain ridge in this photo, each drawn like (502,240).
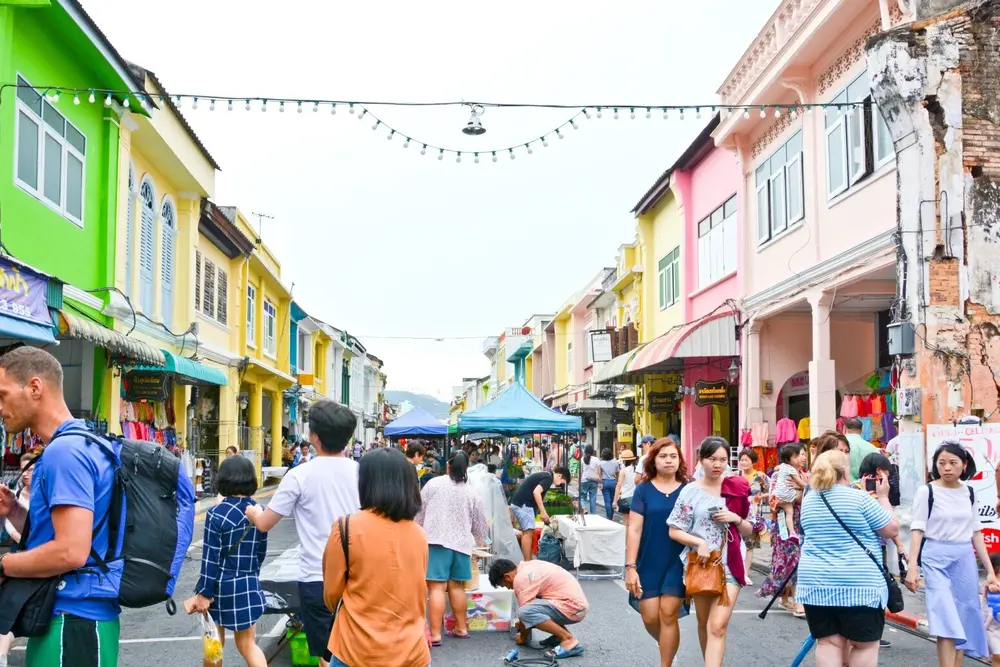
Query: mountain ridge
(437,408)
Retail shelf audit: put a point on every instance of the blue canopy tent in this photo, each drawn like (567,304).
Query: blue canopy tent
(415,423)
(517,412)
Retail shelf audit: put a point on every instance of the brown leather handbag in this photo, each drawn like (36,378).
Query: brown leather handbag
(708,580)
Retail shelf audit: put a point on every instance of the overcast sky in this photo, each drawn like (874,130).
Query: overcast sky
(385,243)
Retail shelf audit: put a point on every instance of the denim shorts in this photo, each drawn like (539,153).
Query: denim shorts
(525,517)
(444,564)
(538,611)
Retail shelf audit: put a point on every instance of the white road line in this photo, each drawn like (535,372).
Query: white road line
(279,628)
(277,631)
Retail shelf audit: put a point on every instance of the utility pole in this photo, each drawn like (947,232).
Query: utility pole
(261,217)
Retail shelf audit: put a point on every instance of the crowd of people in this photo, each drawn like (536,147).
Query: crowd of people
(402,520)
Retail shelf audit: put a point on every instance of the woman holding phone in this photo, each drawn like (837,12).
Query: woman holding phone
(700,521)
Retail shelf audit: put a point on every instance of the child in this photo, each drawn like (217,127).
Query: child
(992,625)
(232,553)
(783,494)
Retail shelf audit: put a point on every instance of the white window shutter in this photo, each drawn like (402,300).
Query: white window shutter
(197,281)
(167,265)
(704,261)
(222,303)
(146,248)
(729,244)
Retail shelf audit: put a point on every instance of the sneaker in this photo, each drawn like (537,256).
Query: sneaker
(884,643)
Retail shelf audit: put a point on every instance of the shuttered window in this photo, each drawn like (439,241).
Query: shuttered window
(147,243)
(208,291)
(129,230)
(197,281)
(211,290)
(222,298)
(168,228)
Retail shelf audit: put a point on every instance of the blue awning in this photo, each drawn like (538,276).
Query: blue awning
(15,327)
(189,371)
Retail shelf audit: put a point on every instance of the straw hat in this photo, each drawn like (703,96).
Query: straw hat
(627,455)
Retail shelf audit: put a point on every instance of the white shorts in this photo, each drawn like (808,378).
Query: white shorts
(993,637)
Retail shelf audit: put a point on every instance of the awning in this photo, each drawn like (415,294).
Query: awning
(713,336)
(189,371)
(591,405)
(614,371)
(18,329)
(119,345)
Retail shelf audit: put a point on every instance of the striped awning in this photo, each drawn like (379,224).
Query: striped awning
(119,345)
(712,336)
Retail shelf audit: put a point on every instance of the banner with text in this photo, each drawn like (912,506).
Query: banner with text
(23,294)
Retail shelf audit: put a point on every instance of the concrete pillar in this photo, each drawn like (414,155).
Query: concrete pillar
(229,411)
(751,373)
(822,375)
(180,398)
(277,412)
(255,410)
(112,393)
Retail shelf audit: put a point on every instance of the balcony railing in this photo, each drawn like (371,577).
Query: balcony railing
(610,280)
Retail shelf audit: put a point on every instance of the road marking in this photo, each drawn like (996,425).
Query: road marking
(277,631)
(279,628)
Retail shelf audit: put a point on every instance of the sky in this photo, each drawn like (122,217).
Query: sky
(393,246)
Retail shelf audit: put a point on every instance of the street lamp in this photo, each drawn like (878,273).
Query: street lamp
(734,370)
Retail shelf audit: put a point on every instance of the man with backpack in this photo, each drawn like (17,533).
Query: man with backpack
(72,490)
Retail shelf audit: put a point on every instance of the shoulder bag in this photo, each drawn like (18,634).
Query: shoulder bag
(895,592)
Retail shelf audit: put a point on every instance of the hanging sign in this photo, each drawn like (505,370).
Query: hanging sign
(624,432)
(600,346)
(23,294)
(142,386)
(711,393)
(661,401)
(983,442)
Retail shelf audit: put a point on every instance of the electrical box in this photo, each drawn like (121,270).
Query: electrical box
(901,337)
(908,402)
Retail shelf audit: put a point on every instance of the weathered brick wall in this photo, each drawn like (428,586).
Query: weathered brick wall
(943,282)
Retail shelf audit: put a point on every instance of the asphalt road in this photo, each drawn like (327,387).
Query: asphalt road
(612,633)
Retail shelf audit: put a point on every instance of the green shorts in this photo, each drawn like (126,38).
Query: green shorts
(76,641)
(445,564)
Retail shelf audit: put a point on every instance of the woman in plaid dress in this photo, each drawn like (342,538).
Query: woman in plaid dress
(232,554)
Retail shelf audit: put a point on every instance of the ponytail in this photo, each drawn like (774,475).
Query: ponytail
(457,467)
(588,451)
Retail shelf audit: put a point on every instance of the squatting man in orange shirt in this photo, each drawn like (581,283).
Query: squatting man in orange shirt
(548,598)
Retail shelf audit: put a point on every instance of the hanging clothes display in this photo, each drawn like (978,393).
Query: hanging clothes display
(804,429)
(759,434)
(785,432)
(142,420)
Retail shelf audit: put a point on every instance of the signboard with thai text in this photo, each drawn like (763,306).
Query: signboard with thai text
(152,387)
(23,294)
(711,393)
(600,346)
(661,401)
(983,442)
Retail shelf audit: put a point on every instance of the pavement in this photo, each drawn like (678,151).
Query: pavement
(612,633)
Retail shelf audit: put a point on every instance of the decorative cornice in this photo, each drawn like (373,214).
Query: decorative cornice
(848,59)
(821,272)
(764,142)
(83,298)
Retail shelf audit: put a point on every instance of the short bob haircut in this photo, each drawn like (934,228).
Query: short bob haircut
(954,449)
(606,454)
(873,463)
(789,452)
(236,477)
(333,425)
(649,464)
(387,485)
(750,454)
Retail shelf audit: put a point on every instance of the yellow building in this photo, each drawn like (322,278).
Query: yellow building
(165,173)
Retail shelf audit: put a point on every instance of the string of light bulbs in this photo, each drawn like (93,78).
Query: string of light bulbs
(363,110)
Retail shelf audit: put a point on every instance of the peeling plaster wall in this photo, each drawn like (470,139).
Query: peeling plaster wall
(937,83)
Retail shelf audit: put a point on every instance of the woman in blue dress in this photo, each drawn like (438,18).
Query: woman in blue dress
(232,554)
(654,572)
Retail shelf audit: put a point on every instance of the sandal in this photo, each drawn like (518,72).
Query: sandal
(560,653)
(455,635)
(435,643)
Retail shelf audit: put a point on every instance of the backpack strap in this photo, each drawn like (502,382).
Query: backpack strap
(930,499)
(972,496)
(344,523)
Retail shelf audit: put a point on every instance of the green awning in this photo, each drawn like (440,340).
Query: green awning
(189,371)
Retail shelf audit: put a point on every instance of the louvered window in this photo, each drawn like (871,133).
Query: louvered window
(147,242)
(222,302)
(197,281)
(208,292)
(168,228)
(129,231)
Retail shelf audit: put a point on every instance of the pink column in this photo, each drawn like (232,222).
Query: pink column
(822,374)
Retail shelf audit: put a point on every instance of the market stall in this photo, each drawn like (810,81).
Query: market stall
(416,423)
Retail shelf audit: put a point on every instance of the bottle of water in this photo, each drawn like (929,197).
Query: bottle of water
(511,656)
(993,601)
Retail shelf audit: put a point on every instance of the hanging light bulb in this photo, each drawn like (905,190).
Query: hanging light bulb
(573,124)
(616,114)
(666,113)
(680,114)
(697,113)
(125,101)
(247,107)
(55,97)
(362,114)
(529,149)
(441,154)
(559,134)
(545,142)
(794,114)
(263,106)
(194,103)
(777,112)
(494,156)
(649,112)
(315,107)
(351,110)
(333,109)
(390,135)
(586,113)
(299,107)
(91,98)
(512,156)
(476,158)
(746,114)
(211,105)
(229,105)
(377,123)
(598,112)
(107,101)
(632,113)
(423,151)
(474,127)
(143,102)
(76,99)
(281,107)
(763,114)
(458,158)
(406,144)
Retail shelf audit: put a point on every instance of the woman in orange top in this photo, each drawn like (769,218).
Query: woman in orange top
(381,582)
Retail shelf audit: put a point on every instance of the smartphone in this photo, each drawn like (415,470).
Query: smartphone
(714,510)
(870,485)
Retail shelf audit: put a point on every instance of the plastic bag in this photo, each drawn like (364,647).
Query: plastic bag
(210,641)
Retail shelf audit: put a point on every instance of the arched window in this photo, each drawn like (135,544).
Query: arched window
(129,229)
(147,244)
(168,227)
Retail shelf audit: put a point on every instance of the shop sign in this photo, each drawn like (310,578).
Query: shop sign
(661,401)
(23,294)
(152,387)
(600,346)
(711,393)
(624,432)
(983,442)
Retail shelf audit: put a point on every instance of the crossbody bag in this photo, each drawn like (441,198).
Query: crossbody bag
(895,592)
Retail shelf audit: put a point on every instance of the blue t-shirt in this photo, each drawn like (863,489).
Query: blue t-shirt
(833,570)
(73,472)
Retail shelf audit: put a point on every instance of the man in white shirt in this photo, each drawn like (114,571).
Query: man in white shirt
(316,496)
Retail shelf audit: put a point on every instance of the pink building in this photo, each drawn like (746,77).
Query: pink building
(817,257)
